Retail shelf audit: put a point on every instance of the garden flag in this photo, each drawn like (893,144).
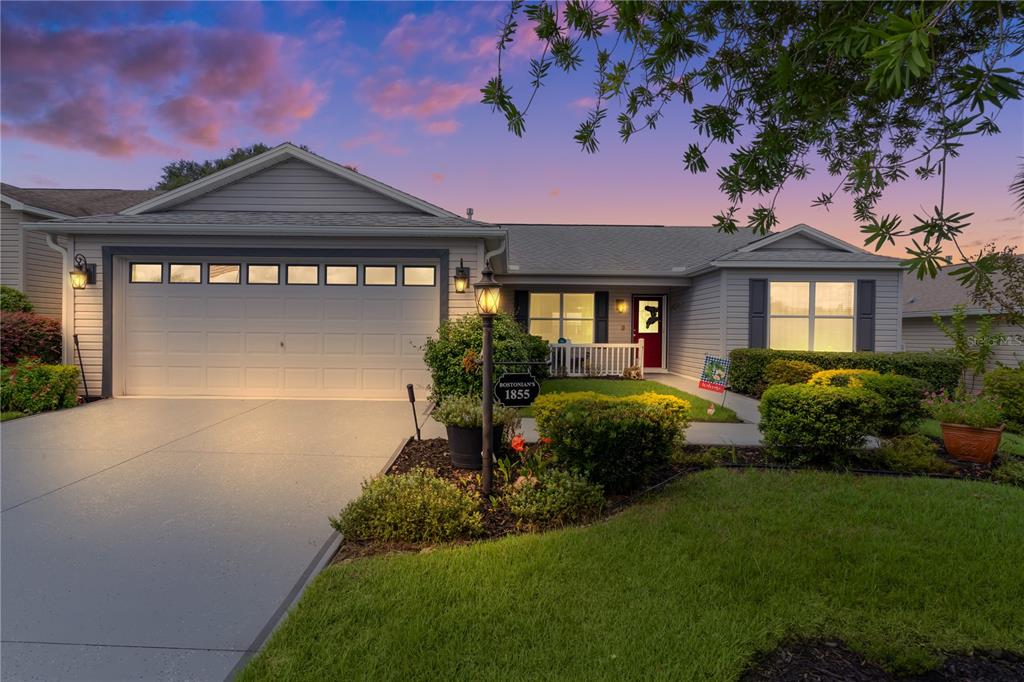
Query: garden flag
(715,374)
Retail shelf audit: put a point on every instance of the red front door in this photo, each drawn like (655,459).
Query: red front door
(648,324)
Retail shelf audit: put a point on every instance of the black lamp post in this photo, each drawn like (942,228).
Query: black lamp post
(488,301)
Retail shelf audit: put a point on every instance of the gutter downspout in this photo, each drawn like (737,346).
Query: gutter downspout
(66,299)
(498,251)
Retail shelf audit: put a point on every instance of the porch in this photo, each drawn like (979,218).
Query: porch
(596,359)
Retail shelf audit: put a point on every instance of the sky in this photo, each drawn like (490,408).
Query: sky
(106,94)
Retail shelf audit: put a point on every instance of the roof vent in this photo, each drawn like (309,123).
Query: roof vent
(469,213)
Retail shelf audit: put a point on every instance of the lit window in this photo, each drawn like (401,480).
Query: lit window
(557,316)
(185,273)
(263,274)
(379,275)
(343,275)
(223,274)
(418,275)
(303,274)
(146,273)
(811,315)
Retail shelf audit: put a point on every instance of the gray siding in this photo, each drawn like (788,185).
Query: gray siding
(293,185)
(887,300)
(11,247)
(694,324)
(921,334)
(44,275)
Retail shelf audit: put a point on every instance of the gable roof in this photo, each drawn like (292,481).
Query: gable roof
(808,232)
(925,297)
(270,158)
(774,251)
(57,203)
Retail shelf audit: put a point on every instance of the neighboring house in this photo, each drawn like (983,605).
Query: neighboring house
(290,275)
(27,262)
(924,298)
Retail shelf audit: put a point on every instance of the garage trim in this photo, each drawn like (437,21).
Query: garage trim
(110,252)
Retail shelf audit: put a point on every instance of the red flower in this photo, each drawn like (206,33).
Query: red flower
(546,440)
(518,443)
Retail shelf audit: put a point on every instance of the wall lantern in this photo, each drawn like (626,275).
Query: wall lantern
(488,294)
(620,305)
(84,273)
(461,278)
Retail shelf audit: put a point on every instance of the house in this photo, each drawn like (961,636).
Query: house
(27,262)
(290,275)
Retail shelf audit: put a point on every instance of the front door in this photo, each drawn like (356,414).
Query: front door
(648,324)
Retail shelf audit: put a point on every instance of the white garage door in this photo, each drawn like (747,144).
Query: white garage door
(276,329)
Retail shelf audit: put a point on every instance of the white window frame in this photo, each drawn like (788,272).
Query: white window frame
(811,316)
(561,313)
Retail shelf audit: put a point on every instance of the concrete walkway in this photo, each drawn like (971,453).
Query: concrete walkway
(162,539)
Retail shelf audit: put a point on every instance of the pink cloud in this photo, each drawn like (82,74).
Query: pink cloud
(327,30)
(582,103)
(393,97)
(437,177)
(447,35)
(446,127)
(194,117)
(384,142)
(554,191)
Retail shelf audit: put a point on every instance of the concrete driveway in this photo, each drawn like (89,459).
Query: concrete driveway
(162,539)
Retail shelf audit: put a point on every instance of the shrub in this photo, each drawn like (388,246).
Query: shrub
(937,370)
(1006,387)
(789,372)
(902,401)
(451,357)
(804,422)
(1011,472)
(13,301)
(841,377)
(416,506)
(31,387)
(27,335)
(466,411)
(615,442)
(912,454)
(975,411)
(558,498)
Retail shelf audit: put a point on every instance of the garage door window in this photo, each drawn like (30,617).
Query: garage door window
(223,274)
(341,275)
(303,274)
(418,275)
(379,275)
(263,274)
(146,273)
(185,273)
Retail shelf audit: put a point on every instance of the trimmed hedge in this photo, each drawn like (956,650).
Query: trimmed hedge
(27,335)
(14,301)
(615,442)
(31,387)
(789,372)
(1006,386)
(937,370)
(902,401)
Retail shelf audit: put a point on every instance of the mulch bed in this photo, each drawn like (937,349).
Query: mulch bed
(828,661)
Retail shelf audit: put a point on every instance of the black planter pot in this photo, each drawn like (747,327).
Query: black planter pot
(466,445)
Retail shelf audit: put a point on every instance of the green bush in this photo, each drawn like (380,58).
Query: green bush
(417,506)
(789,372)
(1006,386)
(911,454)
(841,377)
(902,401)
(13,301)
(975,411)
(937,370)
(452,356)
(615,441)
(31,387)
(27,335)
(1011,472)
(466,411)
(804,423)
(559,498)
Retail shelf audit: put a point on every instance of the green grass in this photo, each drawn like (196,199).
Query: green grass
(688,585)
(1010,444)
(621,387)
(7,416)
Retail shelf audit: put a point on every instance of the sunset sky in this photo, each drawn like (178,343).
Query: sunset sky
(104,95)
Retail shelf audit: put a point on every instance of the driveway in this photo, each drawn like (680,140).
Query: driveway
(162,539)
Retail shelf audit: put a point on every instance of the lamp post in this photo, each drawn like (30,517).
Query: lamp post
(488,300)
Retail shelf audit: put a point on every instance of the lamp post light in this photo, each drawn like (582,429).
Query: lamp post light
(488,300)
(461,278)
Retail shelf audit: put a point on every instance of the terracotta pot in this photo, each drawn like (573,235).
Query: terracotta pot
(971,444)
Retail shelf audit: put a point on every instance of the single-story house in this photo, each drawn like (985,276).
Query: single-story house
(290,275)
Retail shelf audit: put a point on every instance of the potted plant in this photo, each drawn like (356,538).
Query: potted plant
(463,418)
(971,426)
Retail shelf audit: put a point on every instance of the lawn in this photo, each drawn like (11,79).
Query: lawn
(688,585)
(1009,444)
(620,387)
(7,416)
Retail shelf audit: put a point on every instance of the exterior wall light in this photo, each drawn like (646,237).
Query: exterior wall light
(83,274)
(620,305)
(488,294)
(461,278)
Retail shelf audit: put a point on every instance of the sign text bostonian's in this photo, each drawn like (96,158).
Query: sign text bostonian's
(516,390)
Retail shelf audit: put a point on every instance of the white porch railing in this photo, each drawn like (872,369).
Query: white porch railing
(595,359)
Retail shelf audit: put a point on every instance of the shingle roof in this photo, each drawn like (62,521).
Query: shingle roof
(79,202)
(616,249)
(805,255)
(251,218)
(927,296)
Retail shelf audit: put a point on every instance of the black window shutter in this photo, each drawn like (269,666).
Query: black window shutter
(757,327)
(601,317)
(865,314)
(521,308)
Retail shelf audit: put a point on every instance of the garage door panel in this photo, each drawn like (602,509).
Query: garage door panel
(186,342)
(264,308)
(222,307)
(223,377)
(262,377)
(224,342)
(302,379)
(381,310)
(185,377)
(379,344)
(341,379)
(262,342)
(146,342)
(382,379)
(303,309)
(303,343)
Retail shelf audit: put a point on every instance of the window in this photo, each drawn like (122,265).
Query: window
(146,273)
(418,275)
(263,274)
(379,275)
(185,273)
(223,274)
(811,315)
(568,316)
(341,275)
(303,274)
